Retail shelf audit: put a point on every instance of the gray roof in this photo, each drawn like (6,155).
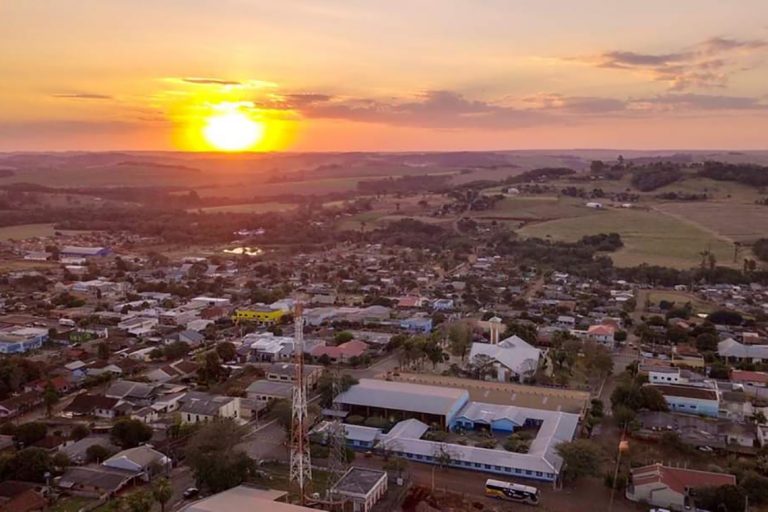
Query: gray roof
(108,480)
(404,396)
(514,353)
(556,427)
(359,481)
(732,348)
(77,450)
(130,389)
(203,403)
(271,388)
(142,456)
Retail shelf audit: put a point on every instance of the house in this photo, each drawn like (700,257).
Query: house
(343,352)
(267,391)
(690,399)
(286,372)
(417,324)
(266,347)
(363,487)
(137,393)
(93,405)
(732,350)
(11,407)
(143,461)
(98,368)
(749,378)
(138,325)
(515,359)
(602,334)
(19,340)
(245,498)
(60,384)
(93,482)
(72,251)
(78,451)
(178,370)
(191,338)
(209,302)
(260,314)
(21,497)
(198,407)
(663,486)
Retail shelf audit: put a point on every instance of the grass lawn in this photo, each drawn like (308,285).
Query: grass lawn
(680,299)
(649,237)
(70,504)
(537,208)
(248,208)
(25,231)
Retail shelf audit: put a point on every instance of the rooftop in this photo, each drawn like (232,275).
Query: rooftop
(403,396)
(359,481)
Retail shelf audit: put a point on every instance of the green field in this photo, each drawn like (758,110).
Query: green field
(680,299)
(742,222)
(649,237)
(25,231)
(248,208)
(536,208)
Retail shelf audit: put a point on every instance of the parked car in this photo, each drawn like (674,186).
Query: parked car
(191,493)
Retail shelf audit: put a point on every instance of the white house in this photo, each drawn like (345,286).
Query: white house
(144,461)
(515,358)
(197,407)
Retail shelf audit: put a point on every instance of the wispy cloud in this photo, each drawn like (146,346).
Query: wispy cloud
(209,81)
(82,96)
(707,64)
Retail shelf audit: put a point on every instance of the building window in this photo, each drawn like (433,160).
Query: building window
(527,472)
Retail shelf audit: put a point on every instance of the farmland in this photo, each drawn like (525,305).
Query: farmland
(649,237)
(741,222)
(248,208)
(26,231)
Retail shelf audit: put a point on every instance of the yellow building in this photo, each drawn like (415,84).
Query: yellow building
(260,314)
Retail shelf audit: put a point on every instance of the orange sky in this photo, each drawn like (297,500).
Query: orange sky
(331,75)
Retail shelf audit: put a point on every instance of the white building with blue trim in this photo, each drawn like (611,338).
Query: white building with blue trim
(407,439)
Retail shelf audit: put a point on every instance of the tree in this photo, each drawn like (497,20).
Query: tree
(140,501)
(61,460)
(176,350)
(214,460)
(725,317)
(328,385)
(79,432)
(30,433)
(283,412)
(31,464)
(706,342)
(129,433)
(343,337)
(103,351)
(226,351)
(96,453)
(460,339)
(162,492)
(50,398)
(210,370)
(726,498)
(481,366)
(581,457)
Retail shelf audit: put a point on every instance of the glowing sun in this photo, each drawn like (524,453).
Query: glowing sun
(233,131)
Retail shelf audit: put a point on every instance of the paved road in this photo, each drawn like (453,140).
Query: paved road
(266,442)
(382,366)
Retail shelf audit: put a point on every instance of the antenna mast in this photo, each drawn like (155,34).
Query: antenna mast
(301,468)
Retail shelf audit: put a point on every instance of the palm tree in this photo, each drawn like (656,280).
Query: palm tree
(162,492)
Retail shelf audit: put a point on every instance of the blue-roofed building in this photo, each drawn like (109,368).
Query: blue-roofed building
(19,340)
(417,324)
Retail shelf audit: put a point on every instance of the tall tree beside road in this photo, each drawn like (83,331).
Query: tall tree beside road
(460,339)
(215,461)
(162,492)
(582,458)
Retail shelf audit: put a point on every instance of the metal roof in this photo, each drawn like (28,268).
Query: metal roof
(404,396)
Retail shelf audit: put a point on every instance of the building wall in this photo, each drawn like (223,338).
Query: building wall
(693,405)
(657,495)
(262,317)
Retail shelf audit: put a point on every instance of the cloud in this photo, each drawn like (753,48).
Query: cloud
(82,96)
(433,109)
(208,81)
(691,101)
(708,64)
(575,104)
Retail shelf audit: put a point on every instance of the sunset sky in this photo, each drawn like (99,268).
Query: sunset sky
(329,75)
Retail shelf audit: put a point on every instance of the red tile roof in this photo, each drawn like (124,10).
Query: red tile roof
(746,376)
(679,479)
(27,501)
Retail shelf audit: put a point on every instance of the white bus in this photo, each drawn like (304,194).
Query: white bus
(512,492)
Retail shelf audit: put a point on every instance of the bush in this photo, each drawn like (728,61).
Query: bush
(517,443)
(355,419)
(487,443)
(376,422)
(436,435)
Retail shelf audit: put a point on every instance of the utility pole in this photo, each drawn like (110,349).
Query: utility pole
(301,467)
